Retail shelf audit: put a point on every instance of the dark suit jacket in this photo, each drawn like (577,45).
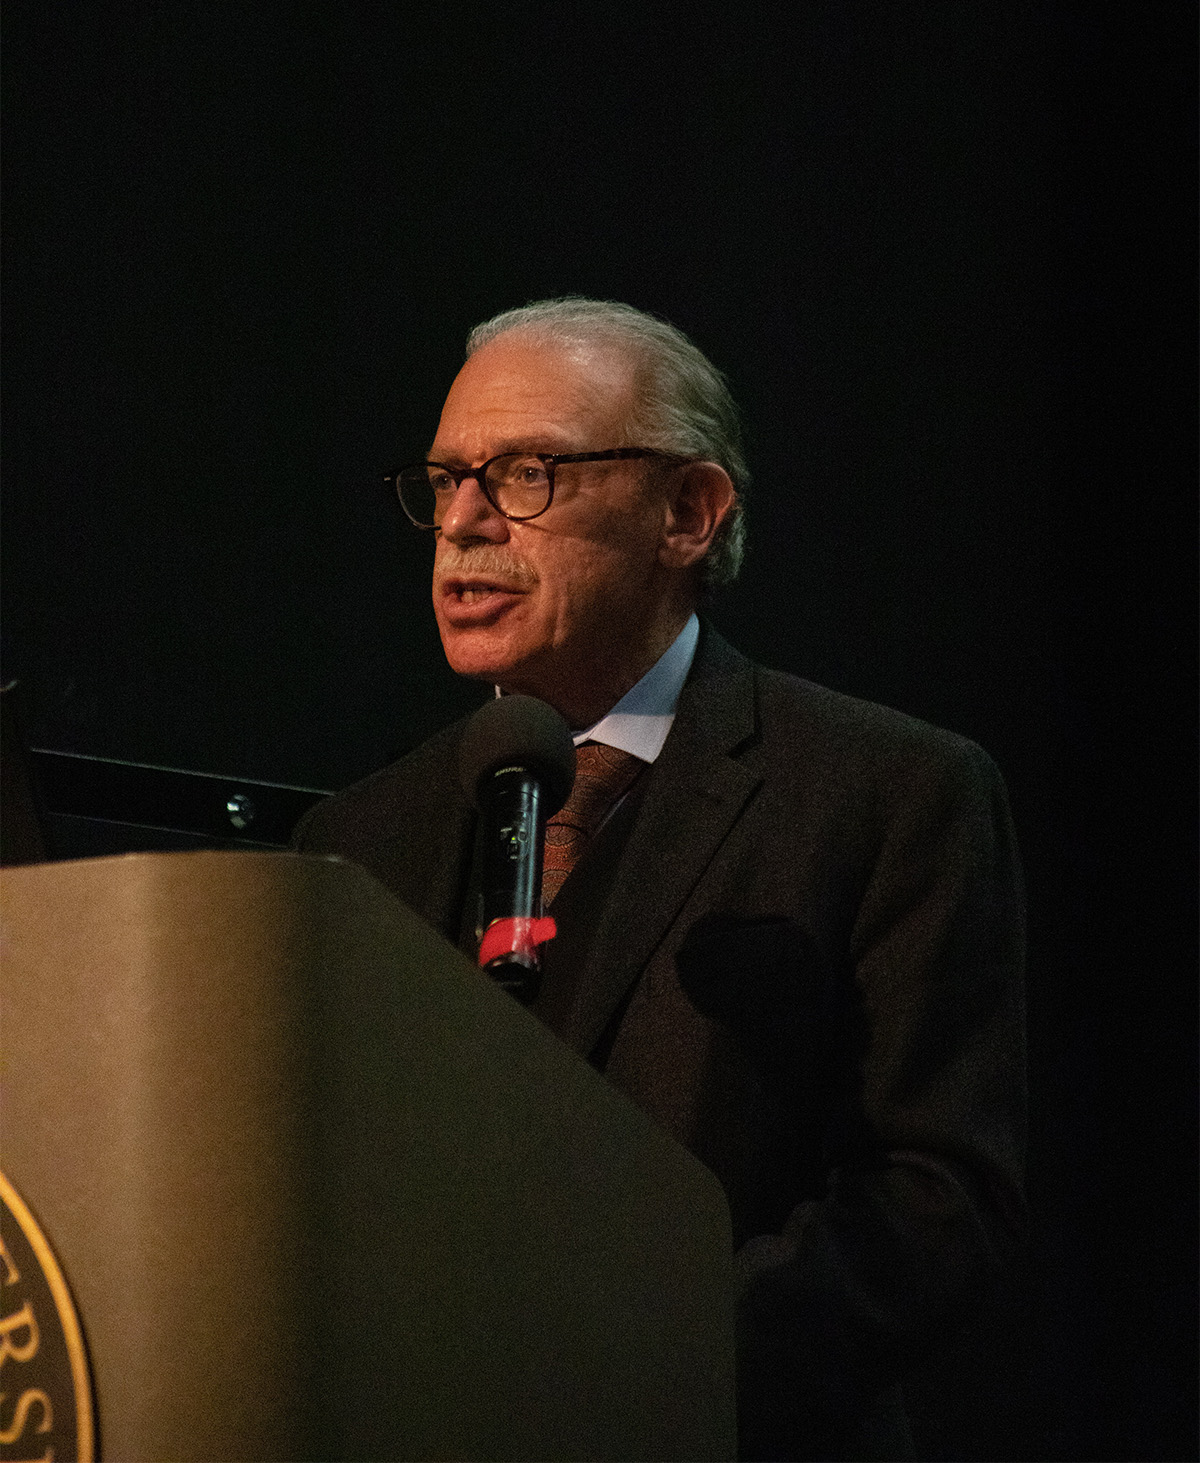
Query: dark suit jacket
(799,949)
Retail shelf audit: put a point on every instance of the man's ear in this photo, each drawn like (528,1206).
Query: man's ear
(700,496)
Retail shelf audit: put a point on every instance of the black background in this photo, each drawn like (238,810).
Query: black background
(939,250)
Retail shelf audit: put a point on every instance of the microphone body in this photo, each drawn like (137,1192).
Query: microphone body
(517,761)
(513,812)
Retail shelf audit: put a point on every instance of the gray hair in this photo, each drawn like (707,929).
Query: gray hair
(685,406)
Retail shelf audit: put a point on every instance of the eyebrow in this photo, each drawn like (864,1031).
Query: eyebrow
(509,444)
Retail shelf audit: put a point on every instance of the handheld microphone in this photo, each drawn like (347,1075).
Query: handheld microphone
(517,763)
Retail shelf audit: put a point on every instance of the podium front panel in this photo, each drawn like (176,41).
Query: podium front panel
(322,1191)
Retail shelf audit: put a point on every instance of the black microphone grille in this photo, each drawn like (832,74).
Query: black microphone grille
(518,731)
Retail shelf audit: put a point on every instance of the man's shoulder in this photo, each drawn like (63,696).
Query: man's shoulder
(837,737)
(850,722)
(863,747)
(371,811)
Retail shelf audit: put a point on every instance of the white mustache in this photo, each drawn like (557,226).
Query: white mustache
(482,561)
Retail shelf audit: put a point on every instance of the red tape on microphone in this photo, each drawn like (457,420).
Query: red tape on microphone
(515,937)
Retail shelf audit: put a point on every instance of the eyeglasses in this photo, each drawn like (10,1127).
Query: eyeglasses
(518,485)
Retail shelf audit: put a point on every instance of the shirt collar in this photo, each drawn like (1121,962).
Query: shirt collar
(641,719)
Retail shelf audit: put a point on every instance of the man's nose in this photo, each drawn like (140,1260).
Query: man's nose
(472,516)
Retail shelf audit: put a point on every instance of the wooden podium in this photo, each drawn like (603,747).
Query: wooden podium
(320,1191)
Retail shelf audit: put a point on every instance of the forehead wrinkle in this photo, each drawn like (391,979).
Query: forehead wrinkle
(592,406)
(605,370)
(536,443)
(608,376)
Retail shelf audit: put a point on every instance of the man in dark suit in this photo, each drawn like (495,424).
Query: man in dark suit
(794,937)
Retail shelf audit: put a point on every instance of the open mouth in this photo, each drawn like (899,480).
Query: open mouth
(471,591)
(467,602)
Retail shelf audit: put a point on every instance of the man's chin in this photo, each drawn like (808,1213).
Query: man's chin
(478,656)
(511,672)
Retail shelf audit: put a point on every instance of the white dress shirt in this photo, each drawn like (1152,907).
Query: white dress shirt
(641,719)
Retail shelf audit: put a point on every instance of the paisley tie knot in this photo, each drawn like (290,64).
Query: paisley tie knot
(602,775)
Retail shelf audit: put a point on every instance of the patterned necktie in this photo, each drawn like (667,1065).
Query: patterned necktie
(602,774)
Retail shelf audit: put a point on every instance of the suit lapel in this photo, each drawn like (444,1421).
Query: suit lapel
(696,791)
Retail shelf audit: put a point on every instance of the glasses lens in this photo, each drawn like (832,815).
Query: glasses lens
(519,485)
(425,492)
